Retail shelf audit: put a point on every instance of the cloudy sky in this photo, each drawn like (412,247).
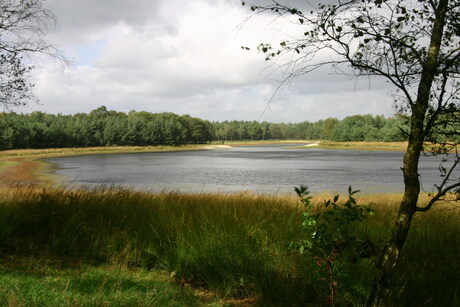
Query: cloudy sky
(185,56)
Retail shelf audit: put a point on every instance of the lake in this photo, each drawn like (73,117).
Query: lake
(272,169)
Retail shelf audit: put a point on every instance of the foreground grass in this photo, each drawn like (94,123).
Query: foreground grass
(37,282)
(120,247)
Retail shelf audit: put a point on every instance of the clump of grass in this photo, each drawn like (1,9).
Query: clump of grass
(234,245)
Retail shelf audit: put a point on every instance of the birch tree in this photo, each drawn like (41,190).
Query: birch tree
(415,46)
(23,28)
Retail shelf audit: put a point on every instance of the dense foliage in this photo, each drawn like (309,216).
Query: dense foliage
(102,127)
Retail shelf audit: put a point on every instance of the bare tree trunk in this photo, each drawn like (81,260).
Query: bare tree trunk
(408,206)
(392,250)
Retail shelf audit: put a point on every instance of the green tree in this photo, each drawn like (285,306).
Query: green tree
(198,130)
(327,127)
(254,132)
(414,45)
(395,129)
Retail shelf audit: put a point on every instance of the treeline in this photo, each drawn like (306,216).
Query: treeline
(352,128)
(102,127)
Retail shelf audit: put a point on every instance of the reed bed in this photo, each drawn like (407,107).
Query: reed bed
(235,246)
(371,146)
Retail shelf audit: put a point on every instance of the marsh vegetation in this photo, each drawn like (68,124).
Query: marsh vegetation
(104,246)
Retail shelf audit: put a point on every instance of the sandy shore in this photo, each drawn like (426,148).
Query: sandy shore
(216,146)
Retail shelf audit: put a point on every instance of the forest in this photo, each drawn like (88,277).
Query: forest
(103,127)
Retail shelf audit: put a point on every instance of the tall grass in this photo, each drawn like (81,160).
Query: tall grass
(235,245)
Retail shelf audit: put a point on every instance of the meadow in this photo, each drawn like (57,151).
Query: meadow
(114,246)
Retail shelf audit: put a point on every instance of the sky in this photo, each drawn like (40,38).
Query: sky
(185,57)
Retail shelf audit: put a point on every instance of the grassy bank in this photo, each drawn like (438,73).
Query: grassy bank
(263,142)
(368,146)
(373,146)
(120,247)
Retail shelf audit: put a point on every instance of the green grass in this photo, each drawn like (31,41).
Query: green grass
(121,247)
(43,284)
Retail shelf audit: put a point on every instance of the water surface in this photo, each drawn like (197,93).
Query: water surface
(272,169)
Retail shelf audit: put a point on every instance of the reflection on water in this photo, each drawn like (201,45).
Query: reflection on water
(270,169)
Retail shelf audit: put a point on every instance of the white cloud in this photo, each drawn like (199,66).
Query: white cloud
(185,57)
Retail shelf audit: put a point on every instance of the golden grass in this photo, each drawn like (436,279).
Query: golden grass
(235,245)
(56,152)
(383,146)
(372,146)
(262,142)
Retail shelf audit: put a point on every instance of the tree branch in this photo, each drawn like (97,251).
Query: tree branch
(442,191)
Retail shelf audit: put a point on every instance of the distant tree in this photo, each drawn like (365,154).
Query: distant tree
(253,130)
(242,132)
(414,45)
(100,112)
(198,130)
(328,127)
(395,129)
(359,128)
(228,131)
(264,127)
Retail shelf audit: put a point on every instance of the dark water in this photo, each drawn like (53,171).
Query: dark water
(272,169)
